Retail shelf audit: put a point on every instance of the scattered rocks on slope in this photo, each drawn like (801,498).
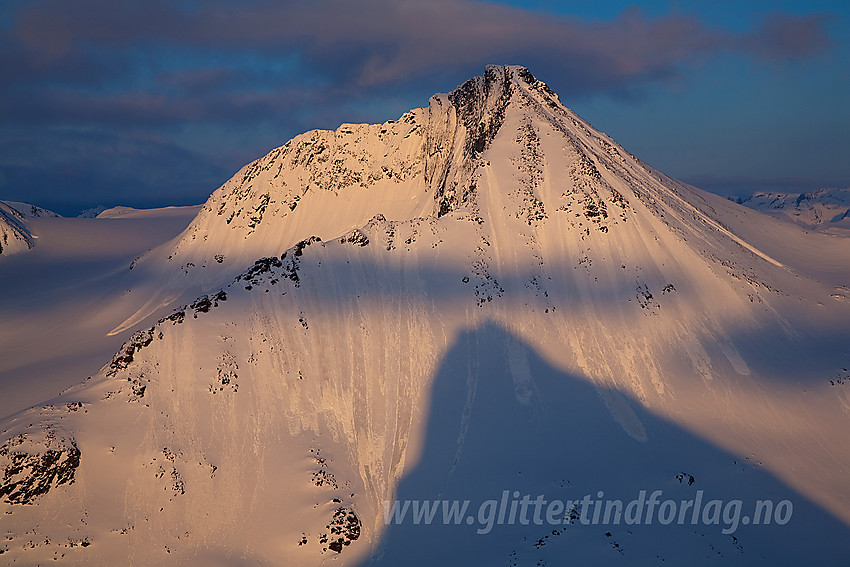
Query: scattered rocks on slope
(34,463)
(355,237)
(343,529)
(685,477)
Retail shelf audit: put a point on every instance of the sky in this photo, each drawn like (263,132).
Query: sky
(158,102)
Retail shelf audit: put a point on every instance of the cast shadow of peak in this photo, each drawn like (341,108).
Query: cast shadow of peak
(504,424)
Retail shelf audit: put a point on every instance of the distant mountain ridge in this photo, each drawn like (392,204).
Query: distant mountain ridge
(823,208)
(28,211)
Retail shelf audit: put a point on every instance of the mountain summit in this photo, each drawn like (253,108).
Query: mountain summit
(483,300)
(326,183)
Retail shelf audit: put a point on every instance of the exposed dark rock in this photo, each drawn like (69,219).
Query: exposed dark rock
(32,468)
(176,317)
(201,305)
(480,105)
(226,374)
(322,476)
(343,529)
(257,216)
(123,358)
(298,249)
(355,237)
(685,477)
(261,266)
(646,300)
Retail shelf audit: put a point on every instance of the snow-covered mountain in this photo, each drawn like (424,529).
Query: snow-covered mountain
(485,300)
(29,211)
(92,212)
(823,209)
(14,234)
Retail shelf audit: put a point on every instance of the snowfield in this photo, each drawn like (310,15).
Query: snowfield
(484,301)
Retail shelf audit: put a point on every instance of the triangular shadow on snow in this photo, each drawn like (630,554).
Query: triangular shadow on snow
(502,419)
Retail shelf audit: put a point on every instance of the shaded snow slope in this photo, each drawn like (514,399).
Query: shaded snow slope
(132,213)
(92,212)
(497,297)
(58,301)
(14,235)
(29,211)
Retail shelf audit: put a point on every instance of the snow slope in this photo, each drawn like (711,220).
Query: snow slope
(14,235)
(92,212)
(58,301)
(28,211)
(497,298)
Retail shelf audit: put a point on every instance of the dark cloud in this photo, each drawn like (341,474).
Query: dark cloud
(149,108)
(375,42)
(200,81)
(102,61)
(782,37)
(93,68)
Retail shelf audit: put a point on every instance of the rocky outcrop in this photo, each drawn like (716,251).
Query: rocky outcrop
(34,462)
